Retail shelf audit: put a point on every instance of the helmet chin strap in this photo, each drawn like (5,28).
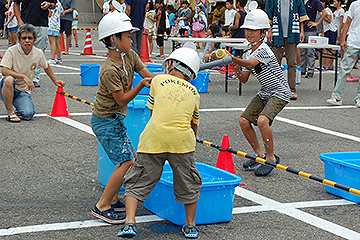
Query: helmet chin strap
(261,38)
(122,54)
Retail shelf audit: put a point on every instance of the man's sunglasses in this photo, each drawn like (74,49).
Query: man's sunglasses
(25,37)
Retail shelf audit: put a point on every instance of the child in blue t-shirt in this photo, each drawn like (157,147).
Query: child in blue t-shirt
(273,95)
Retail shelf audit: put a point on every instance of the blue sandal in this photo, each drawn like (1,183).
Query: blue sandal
(128,231)
(118,206)
(190,231)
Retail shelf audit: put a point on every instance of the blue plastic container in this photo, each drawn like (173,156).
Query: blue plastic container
(201,82)
(342,168)
(155,68)
(138,115)
(90,74)
(215,204)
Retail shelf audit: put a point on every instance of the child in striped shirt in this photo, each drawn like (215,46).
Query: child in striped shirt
(273,95)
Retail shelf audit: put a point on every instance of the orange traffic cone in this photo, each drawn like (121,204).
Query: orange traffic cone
(1,56)
(225,160)
(88,50)
(62,44)
(59,108)
(144,56)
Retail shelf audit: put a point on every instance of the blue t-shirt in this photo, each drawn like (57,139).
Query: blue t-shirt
(137,13)
(172,19)
(32,13)
(67,4)
(312,7)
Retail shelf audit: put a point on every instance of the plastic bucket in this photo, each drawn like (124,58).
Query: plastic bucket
(156,68)
(90,74)
(201,82)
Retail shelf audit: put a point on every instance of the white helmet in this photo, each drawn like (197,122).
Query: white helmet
(113,23)
(256,19)
(188,57)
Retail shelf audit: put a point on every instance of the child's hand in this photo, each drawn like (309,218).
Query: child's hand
(146,82)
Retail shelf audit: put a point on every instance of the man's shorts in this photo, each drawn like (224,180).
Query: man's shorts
(54,33)
(269,108)
(142,177)
(65,25)
(111,132)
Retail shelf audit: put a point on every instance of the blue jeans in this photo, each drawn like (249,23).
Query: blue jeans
(22,102)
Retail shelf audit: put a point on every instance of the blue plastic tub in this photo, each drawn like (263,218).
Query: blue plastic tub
(201,82)
(342,168)
(138,115)
(215,204)
(155,68)
(90,74)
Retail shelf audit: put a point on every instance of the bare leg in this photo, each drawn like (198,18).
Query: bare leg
(131,206)
(250,136)
(151,44)
(75,36)
(267,136)
(113,186)
(161,50)
(58,47)
(68,42)
(52,41)
(190,210)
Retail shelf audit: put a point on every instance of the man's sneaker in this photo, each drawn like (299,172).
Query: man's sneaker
(58,61)
(190,231)
(109,216)
(51,61)
(36,84)
(265,170)
(357,102)
(303,74)
(128,231)
(309,75)
(118,206)
(333,101)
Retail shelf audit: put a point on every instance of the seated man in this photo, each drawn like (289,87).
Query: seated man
(18,67)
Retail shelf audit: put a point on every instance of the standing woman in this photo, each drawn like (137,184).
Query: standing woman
(54,33)
(74,27)
(149,25)
(199,24)
(11,24)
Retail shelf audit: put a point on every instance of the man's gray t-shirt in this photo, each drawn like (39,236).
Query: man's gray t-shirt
(66,5)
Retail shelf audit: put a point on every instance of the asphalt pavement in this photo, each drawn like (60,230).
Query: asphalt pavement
(48,177)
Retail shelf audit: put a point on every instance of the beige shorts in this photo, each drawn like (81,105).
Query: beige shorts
(142,177)
(268,108)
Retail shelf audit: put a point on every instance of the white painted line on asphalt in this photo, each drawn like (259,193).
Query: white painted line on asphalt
(154,218)
(75,124)
(65,67)
(62,73)
(69,225)
(312,220)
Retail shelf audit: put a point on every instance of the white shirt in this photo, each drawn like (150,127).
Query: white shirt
(338,14)
(229,16)
(354,32)
(331,26)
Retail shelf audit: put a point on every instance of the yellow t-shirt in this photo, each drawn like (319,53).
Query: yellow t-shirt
(113,78)
(17,61)
(175,104)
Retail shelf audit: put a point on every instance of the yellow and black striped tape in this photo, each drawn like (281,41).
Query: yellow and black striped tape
(87,28)
(76,98)
(284,168)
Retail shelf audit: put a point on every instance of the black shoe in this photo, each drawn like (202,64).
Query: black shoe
(250,164)
(36,84)
(309,75)
(265,170)
(303,74)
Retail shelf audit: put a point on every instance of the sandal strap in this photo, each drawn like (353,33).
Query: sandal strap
(128,225)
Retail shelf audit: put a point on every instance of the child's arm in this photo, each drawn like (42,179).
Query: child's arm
(249,64)
(194,127)
(122,98)
(243,76)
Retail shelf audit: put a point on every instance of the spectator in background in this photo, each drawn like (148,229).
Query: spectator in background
(54,33)
(184,16)
(11,24)
(199,24)
(352,46)
(307,60)
(36,13)
(222,15)
(235,27)
(286,32)
(2,16)
(229,12)
(216,14)
(261,4)
(135,9)
(160,17)
(74,26)
(106,7)
(149,24)
(339,18)
(66,19)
